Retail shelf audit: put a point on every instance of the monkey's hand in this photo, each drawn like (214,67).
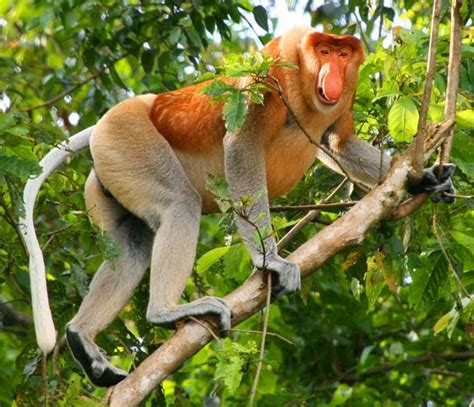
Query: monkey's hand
(286,277)
(430,183)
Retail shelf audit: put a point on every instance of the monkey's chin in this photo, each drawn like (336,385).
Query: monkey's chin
(324,100)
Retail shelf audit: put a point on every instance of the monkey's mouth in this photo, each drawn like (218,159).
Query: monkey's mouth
(324,99)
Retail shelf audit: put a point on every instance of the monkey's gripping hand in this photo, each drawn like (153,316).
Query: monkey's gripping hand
(286,277)
(431,184)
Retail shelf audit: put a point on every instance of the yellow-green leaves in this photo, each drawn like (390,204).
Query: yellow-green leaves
(403,119)
(253,68)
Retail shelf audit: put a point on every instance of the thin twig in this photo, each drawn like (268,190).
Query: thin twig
(55,360)
(313,213)
(454,62)
(323,206)
(381,19)
(251,27)
(253,392)
(387,366)
(213,334)
(44,380)
(459,196)
(418,160)
(442,372)
(254,331)
(362,34)
(55,232)
(65,93)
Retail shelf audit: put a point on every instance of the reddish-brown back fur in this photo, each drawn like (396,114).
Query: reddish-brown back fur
(187,119)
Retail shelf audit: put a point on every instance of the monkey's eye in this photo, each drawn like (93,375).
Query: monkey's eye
(324,51)
(344,54)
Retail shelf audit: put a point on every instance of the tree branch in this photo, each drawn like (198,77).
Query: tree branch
(327,207)
(430,357)
(63,94)
(453,74)
(425,104)
(347,231)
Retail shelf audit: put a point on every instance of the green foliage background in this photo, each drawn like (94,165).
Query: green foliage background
(389,322)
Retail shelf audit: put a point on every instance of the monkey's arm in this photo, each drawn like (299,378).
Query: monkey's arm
(360,160)
(246,176)
(368,165)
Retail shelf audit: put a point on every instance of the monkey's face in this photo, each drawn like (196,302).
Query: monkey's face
(329,66)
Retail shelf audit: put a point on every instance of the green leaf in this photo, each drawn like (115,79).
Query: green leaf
(230,371)
(374,281)
(261,18)
(386,94)
(465,119)
(6,120)
(148,60)
(17,166)
(403,119)
(396,348)
(463,153)
(428,280)
(389,13)
(341,395)
(193,36)
(436,113)
(217,89)
(442,323)
(237,264)
(210,258)
(235,111)
(220,189)
(365,354)
(356,288)
(206,77)
(449,320)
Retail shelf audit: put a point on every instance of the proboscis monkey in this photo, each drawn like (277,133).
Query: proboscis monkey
(152,155)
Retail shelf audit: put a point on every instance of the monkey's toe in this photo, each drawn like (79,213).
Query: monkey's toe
(100,372)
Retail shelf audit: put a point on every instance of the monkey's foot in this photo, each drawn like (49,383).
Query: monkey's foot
(87,353)
(431,184)
(204,306)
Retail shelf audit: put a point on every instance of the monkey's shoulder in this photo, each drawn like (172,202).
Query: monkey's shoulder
(187,119)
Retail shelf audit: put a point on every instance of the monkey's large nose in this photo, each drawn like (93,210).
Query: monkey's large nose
(325,98)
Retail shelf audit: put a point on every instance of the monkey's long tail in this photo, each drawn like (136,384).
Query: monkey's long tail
(44,325)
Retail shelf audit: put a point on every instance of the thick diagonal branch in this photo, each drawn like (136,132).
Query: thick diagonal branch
(248,298)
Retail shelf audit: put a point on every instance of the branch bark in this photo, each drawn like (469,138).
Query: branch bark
(430,71)
(347,231)
(453,74)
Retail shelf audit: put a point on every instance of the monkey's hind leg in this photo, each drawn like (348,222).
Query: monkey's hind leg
(113,284)
(173,255)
